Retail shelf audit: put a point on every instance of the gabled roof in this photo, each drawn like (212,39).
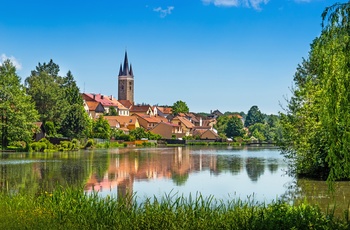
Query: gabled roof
(93,105)
(126,120)
(150,119)
(106,101)
(185,121)
(165,110)
(166,124)
(126,103)
(140,108)
(112,121)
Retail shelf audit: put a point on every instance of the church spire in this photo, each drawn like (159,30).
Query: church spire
(131,73)
(120,70)
(126,64)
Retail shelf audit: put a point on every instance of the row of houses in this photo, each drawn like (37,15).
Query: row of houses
(156,119)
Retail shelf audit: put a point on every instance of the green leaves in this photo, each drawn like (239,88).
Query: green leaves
(180,107)
(317,124)
(17,112)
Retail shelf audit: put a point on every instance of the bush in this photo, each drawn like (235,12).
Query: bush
(89,144)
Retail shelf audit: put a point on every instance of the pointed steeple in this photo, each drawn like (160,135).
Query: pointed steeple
(120,70)
(131,73)
(126,64)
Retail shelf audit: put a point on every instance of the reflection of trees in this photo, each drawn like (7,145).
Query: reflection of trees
(179,179)
(272,166)
(317,192)
(255,168)
(233,164)
(36,172)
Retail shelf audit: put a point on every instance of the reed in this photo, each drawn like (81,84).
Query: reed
(74,209)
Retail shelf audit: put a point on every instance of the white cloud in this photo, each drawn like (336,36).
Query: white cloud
(14,61)
(164,12)
(236,3)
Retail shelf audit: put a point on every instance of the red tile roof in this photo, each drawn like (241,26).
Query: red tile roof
(92,105)
(185,121)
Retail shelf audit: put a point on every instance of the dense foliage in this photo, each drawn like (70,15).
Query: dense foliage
(180,107)
(254,116)
(317,119)
(58,100)
(17,112)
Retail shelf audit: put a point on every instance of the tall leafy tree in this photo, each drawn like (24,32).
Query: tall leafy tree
(45,87)
(71,90)
(180,107)
(317,120)
(17,112)
(76,120)
(234,127)
(101,128)
(221,124)
(254,116)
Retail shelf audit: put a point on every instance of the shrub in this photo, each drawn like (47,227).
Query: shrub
(89,143)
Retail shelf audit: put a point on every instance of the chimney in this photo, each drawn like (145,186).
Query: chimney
(200,122)
(94,96)
(101,96)
(111,97)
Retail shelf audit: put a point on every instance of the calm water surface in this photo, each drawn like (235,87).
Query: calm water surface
(224,173)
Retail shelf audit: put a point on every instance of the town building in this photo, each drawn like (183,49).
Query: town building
(126,81)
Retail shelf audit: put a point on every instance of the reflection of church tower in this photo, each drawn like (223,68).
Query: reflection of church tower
(126,81)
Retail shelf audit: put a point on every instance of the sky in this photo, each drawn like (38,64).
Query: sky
(212,54)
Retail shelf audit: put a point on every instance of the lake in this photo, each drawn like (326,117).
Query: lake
(222,172)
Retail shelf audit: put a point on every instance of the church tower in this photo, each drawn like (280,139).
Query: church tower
(126,81)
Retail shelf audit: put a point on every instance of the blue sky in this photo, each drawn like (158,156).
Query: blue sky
(212,54)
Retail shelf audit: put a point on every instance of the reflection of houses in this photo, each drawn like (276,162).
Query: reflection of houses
(127,168)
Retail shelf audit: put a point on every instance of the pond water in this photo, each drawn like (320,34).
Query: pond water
(222,172)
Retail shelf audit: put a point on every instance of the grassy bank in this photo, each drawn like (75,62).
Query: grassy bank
(72,209)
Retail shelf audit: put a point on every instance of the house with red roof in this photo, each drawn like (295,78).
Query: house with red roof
(185,125)
(107,102)
(166,130)
(95,109)
(141,110)
(148,122)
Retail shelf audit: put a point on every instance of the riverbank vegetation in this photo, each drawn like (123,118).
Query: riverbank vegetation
(316,123)
(74,209)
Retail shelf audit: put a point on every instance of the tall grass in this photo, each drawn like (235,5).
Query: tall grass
(74,209)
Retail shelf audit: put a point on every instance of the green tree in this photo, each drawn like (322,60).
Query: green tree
(316,125)
(71,90)
(221,124)
(45,87)
(234,127)
(112,111)
(101,128)
(75,122)
(139,133)
(254,116)
(17,112)
(259,131)
(180,107)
